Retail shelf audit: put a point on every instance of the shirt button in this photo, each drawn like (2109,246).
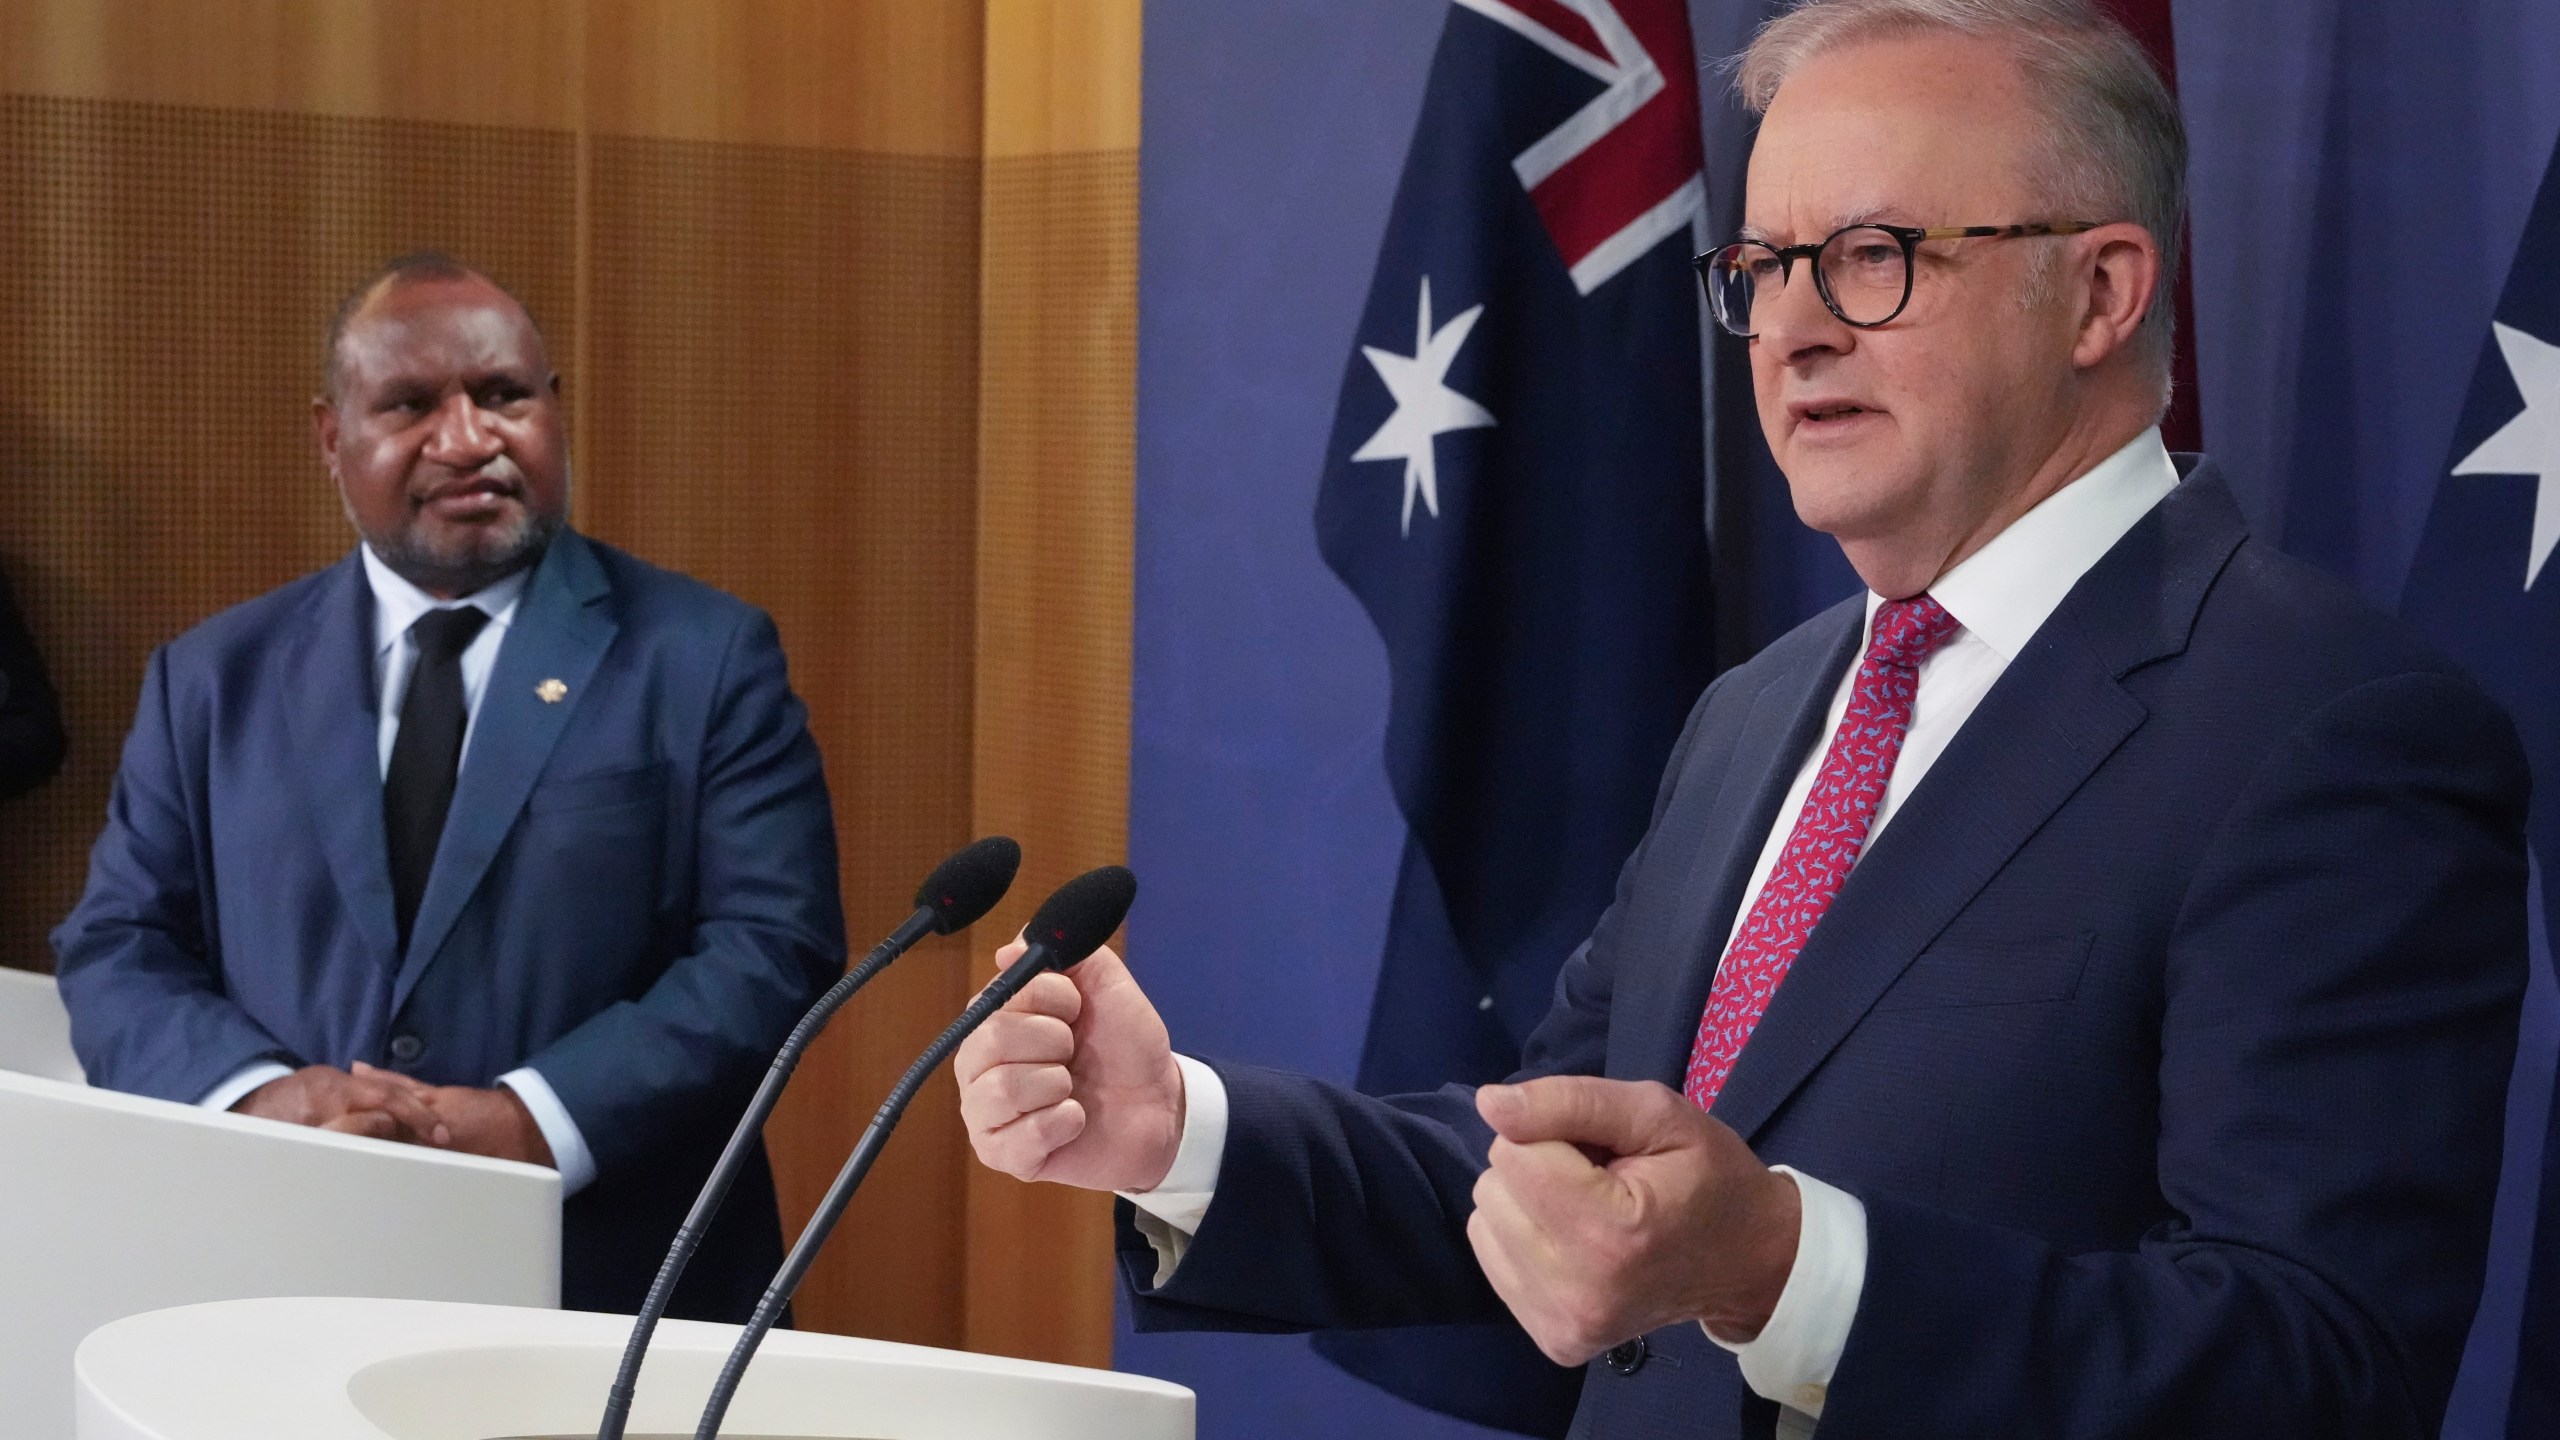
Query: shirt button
(405,1049)
(1629,1358)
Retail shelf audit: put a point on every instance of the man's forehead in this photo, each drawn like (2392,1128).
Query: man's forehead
(423,321)
(1893,128)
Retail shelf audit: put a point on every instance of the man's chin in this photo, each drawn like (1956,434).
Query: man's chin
(466,559)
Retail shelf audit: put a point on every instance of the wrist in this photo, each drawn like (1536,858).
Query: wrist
(1168,1148)
(1767,1256)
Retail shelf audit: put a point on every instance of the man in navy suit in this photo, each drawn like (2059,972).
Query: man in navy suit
(2069,991)
(489,836)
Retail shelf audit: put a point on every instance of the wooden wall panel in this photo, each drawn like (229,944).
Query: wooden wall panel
(785,367)
(1056,539)
(482,62)
(900,76)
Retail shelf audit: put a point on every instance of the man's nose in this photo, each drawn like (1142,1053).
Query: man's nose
(1793,324)
(460,436)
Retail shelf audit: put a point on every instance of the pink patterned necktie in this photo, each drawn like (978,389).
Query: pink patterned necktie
(1829,832)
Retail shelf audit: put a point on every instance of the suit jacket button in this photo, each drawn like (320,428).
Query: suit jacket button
(405,1049)
(1629,1358)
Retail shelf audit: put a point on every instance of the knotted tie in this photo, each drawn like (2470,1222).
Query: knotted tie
(1830,831)
(418,788)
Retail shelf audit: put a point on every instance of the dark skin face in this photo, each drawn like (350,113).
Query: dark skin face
(444,435)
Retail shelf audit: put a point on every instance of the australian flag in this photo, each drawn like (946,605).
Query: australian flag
(2483,586)
(1515,491)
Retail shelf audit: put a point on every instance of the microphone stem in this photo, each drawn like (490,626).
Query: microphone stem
(733,1158)
(875,1136)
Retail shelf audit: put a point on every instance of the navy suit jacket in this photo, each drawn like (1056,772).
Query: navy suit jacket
(635,893)
(2164,1034)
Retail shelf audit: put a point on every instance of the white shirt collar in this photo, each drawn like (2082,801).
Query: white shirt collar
(397,604)
(2004,592)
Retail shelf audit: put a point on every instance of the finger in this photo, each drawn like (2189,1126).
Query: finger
(1014,1039)
(403,1104)
(390,1077)
(1008,1092)
(372,1123)
(1049,993)
(1010,952)
(1544,1283)
(1554,1185)
(1024,1148)
(1621,1117)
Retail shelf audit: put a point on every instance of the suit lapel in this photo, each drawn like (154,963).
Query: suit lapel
(340,750)
(2051,720)
(560,633)
(1784,722)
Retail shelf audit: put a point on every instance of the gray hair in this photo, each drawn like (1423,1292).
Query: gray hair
(2115,148)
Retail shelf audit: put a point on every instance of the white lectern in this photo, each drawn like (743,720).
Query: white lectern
(35,1031)
(112,1204)
(404,1370)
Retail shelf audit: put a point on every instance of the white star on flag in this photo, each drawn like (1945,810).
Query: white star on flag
(1425,405)
(2530,443)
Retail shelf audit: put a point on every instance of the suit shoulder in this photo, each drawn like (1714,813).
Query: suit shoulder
(2299,621)
(653,595)
(253,625)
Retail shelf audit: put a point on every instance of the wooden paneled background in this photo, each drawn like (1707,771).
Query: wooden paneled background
(845,295)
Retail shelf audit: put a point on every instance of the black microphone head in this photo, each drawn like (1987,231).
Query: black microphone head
(962,889)
(1075,921)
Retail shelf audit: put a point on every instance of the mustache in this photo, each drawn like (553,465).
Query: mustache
(496,479)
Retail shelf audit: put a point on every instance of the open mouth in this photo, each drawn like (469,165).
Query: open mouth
(1834,412)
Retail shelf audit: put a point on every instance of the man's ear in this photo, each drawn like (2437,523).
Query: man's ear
(2123,277)
(324,432)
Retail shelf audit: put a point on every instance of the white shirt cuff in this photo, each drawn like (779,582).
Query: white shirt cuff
(1170,1214)
(236,1089)
(569,1153)
(1793,1358)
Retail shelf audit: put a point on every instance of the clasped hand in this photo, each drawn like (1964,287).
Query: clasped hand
(1609,1208)
(388,1105)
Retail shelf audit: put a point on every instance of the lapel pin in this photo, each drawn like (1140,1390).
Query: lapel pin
(552,692)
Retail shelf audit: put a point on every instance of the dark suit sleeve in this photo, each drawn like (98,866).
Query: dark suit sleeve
(31,740)
(135,959)
(767,935)
(1337,1210)
(2338,1019)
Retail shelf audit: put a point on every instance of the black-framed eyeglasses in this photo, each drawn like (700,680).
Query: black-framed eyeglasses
(1863,272)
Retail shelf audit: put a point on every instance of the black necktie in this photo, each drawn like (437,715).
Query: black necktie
(418,789)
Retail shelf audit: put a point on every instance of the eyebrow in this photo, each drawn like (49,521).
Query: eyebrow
(1859,215)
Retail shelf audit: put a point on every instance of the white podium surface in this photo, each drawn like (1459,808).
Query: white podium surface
(112,1205)
(35,1031)
(408,1370)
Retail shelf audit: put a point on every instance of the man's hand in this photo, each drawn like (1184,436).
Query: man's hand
(369,1102)
(1674,1220)
(1074,1081)
(491,1122)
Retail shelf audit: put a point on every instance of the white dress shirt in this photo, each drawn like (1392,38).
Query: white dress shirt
(2000,596)
(397,606)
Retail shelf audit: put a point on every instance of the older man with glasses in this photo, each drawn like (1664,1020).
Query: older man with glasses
(2068,990)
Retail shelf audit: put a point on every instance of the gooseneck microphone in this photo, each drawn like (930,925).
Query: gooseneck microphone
(1070,925)
(960,891)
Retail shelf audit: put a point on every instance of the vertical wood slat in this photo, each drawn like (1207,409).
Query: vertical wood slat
(754,235)
(1056,453)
